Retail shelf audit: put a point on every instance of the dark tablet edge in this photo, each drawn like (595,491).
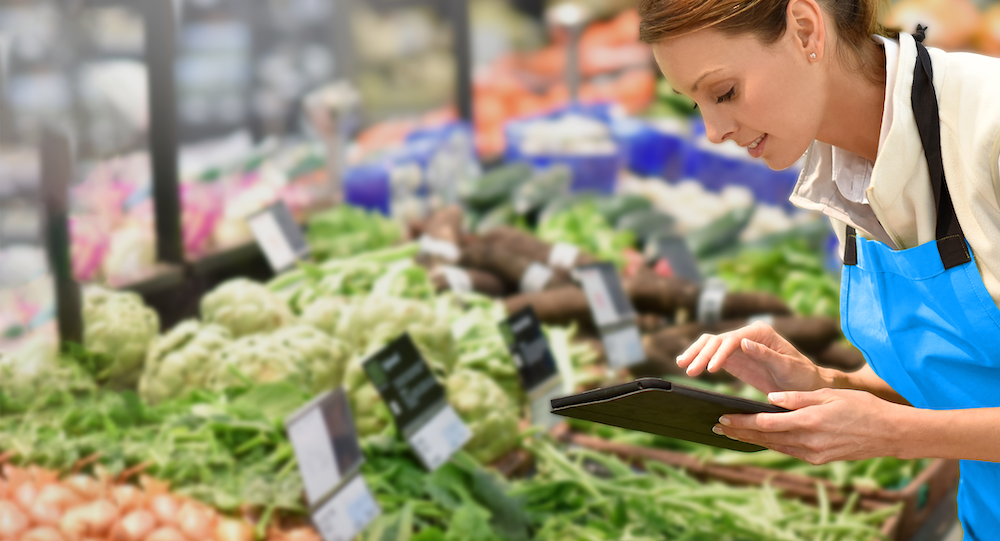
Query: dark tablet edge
(612,393)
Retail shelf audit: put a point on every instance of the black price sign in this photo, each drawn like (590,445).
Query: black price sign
(613,314)
(675,252)
(278,236)
(417,402)
(530,349)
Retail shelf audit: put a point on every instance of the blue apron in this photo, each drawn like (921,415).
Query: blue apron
(924,320)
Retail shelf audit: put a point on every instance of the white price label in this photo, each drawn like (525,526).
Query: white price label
(272,240)
(541,403)
(348,512)
(710,302)
(535,278)
(458,280)
(315,454)
(624,347)
(440,438)
(441,248)
(563,256)
(768,319)
(597,292)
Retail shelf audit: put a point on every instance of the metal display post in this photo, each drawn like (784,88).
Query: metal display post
(161,45)
(57,170)
(462,49)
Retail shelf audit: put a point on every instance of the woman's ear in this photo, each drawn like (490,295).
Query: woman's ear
(805,25)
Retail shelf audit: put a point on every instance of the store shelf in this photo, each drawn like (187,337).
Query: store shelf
(226,258)
(159,278)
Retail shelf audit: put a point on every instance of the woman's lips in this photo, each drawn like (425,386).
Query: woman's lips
(756,148)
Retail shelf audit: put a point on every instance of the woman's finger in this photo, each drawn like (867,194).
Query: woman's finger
(730,345)
(763,422)
(684,359)
(707,352)
(765,439)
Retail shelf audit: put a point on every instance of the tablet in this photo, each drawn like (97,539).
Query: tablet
(665,408)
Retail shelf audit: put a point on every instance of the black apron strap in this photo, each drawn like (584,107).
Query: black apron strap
(851,247)
(949,235)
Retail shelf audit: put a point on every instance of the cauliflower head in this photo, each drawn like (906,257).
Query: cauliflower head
(119,327)
(181,360)
(245,307)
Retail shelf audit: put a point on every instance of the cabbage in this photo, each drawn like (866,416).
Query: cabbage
(245,307)
(325,314)
(119,329)
(179,360)
(487,410)
(256,359)
(35,372)
(371,415)
(322,358)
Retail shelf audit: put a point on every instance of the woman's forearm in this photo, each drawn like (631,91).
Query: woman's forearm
(970,434)
(864,379)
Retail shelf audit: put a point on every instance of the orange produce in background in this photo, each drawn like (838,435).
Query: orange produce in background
(951,24)
(988,38)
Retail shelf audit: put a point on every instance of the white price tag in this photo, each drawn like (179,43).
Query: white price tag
(597,292)
(535,278)
(458,280)
(440,438)
(541,403)
(272,241)
(316,456)
(563,256)
(713,295)
(766,318)
(441,248)
(347,513)
(624,347)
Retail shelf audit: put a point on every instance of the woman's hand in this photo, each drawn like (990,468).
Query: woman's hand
(826,425)
(757,355)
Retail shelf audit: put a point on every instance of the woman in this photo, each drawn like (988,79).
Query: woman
(903,155)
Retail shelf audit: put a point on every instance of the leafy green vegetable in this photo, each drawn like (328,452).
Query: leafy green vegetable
(490,414)
(584,226)
(346,231)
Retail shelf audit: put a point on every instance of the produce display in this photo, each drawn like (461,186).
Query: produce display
(164,428)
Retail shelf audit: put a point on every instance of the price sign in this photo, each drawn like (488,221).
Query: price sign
(417,402)
(613,314)
(278,236)
(326,447)
(346,513)
(675,252)
(536,365)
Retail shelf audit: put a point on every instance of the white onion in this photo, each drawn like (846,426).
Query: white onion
(44,514)
(195,521)
(45,533)
(166,534)
(126,497)
(84,485)
(59,496)
(229,529)
(135,526)
(12,521)
(164,508)
(25,494)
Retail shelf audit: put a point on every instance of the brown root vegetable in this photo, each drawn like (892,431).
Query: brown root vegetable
(43,513)
(59,496)
(480,280)
(741,305)
(167,533)
(841,355)
(445,225)
(164,508)
(196,521)
(507,266)
(561,306)
(527,245)
(656,294)
(663,348)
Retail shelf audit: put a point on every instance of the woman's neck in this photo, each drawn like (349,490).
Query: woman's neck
(853,116)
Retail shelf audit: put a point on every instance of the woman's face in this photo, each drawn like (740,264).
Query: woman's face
(747,91)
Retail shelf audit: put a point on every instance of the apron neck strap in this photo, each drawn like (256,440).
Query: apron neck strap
(948,232)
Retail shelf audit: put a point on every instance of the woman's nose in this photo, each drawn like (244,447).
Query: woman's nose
(718,130)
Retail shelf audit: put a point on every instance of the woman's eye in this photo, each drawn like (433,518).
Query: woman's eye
(728,96)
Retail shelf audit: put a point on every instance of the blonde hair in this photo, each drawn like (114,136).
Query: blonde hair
(856,22)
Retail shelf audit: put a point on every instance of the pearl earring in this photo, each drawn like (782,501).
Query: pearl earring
(812,56)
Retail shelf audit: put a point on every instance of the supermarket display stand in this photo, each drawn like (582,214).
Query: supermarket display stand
(56,167)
